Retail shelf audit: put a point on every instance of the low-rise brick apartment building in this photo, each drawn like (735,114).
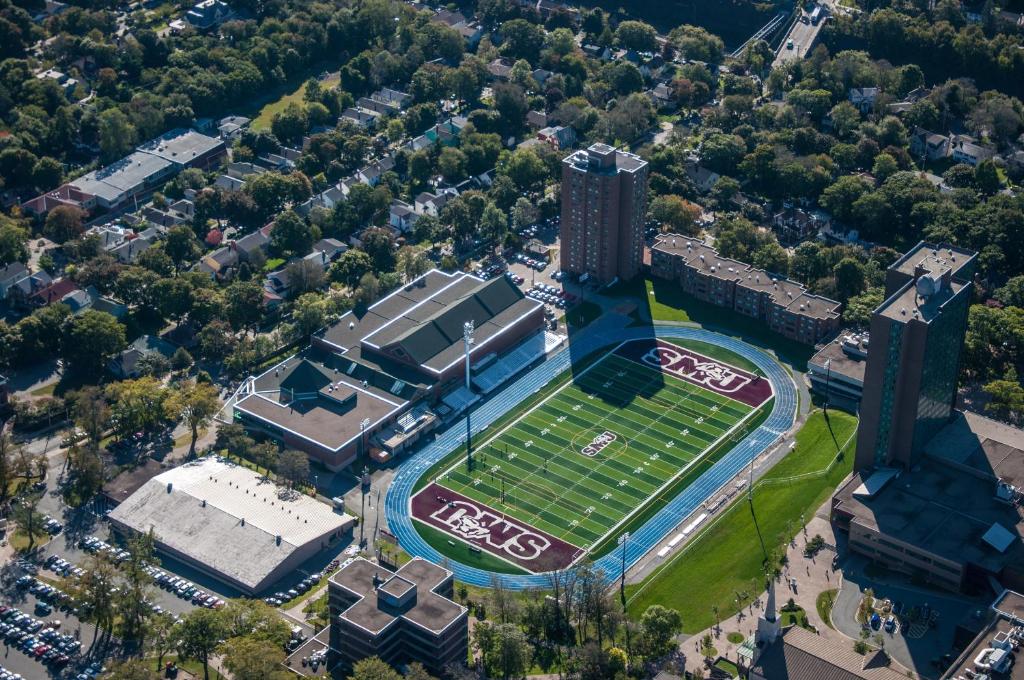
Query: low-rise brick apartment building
(785,306)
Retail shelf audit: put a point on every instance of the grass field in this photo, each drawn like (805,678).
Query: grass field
(726,559)
(551,469)
(266,114)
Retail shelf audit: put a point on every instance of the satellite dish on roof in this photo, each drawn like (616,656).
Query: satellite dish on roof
(927,286)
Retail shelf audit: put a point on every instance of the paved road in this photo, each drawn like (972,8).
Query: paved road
(803,36)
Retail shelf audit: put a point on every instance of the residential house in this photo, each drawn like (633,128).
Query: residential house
(537,119)
(366,119)
(332,248)
(929,145)
(232,127)
(402,216)
(10,275)
(248,245)
(430,204)
(126,364)
(863,98)
(963,149)
(558,136)
(109,235)
(395,98)
(663,98)
(208,13)
(541,75)
(500,68)
(52,293)
(19,292)
(703,179)
(219,262)
(794,225)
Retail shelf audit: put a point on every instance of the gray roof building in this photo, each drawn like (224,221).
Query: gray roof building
(231,523)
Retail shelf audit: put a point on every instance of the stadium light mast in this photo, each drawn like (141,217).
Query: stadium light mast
(467,337)
(622,579)
(828,374)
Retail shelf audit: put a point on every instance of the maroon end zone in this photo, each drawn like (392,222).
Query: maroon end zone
(711,374)
(490,530)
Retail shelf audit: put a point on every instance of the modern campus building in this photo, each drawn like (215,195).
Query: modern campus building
(785,306)
(231,523)
(837,369)
(402,616)
(917,335)
(990,652)
(604,205)
(953,518)
(377,381)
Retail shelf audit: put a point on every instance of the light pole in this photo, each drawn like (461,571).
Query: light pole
(364,482)
(467,338)
(828,374)
(622,578)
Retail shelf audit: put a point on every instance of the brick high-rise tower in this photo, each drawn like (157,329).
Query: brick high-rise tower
(604,203)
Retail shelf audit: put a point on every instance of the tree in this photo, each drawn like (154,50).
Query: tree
(373,669)
(244,304)
(505,650)
(1007,397)
(885,167)
(676,213)
(137,404)
(1012,292)
(859,308)
(310,313)
(13,241)
(293,467)
(132,669)
(195,403)
(636,35)
(14,464)
(305,275)
(94,592)
(117,135)
(522,39)
(255,620)
(380,246)
(181,359)
(161,636)
(986,177)
(27,519)
(180,244)
(850,278)
(452,164)
(92,339)
(250,659)
(201,631)
(351,267)
(292,235)
(63,223)
(137,587)
(525,168)
(840,197)
(658,628)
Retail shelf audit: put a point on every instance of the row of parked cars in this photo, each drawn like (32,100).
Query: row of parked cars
(96,546)
(36,639)
(539,265)
(303,586)
(52,526)
(62,567)
(184,588)
(48,596)
(551,295)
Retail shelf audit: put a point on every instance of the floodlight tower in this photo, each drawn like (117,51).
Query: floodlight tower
(467,337)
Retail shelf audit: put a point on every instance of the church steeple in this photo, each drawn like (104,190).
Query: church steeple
(768,623)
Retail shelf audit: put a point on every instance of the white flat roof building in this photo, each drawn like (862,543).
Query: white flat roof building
(231,523)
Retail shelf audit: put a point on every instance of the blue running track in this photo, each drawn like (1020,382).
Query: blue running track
(655,529)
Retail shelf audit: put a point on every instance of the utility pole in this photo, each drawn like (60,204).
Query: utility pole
(622,578)
(467,337)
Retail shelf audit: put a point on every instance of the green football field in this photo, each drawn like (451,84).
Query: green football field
(597,450)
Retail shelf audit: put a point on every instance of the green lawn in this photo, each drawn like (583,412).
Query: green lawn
(266,115)
(482,560)
(582,314)
(665,303)
(824,602)
(725,559)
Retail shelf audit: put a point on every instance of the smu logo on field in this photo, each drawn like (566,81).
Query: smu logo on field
(477,524)
(708,373)
(600,441)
